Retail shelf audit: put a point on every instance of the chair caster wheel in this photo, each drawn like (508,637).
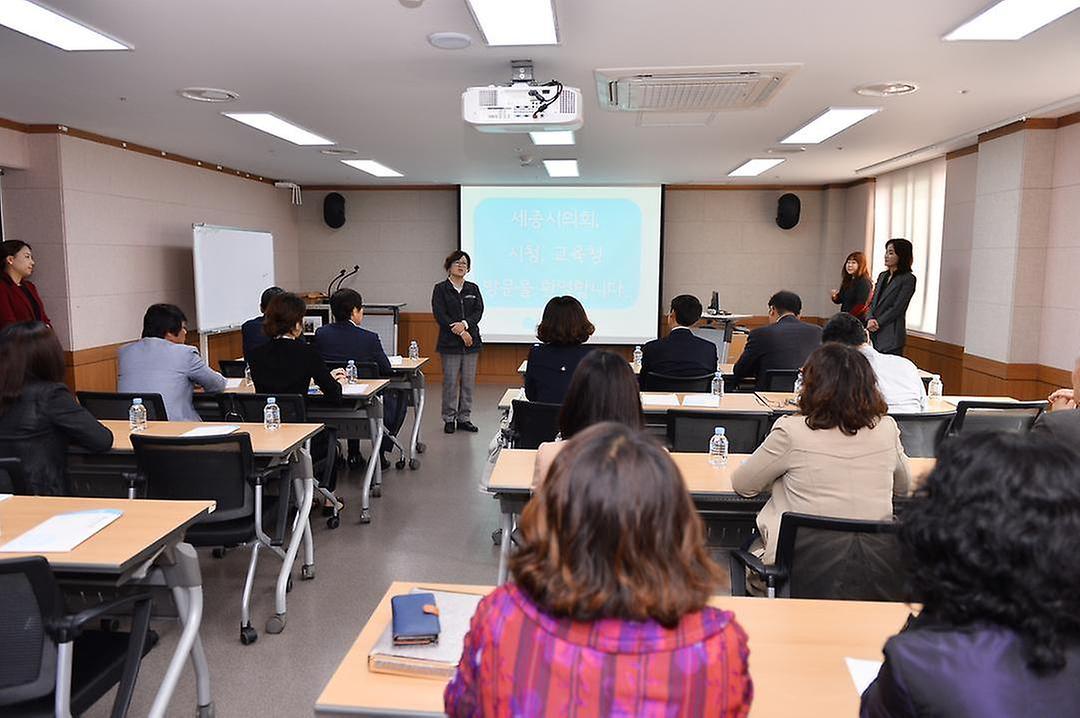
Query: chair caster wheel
(248,635)
(276,623)
(206,711)
(109,625)
(375,492)
(414,464)
(307,572)
(219,552)
(496,536)
(400,464)
(288,585)
(421,447)
(365,516)
(333,522)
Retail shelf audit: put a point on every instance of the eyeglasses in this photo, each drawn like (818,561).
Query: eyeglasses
(461,263)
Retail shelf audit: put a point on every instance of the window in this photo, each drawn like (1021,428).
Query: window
(910,203)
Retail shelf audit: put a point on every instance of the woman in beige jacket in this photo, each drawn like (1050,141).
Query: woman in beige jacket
(840,456)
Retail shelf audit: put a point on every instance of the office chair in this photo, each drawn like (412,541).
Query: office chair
(12,478)
(689,430)
(1016,416)
(533,423)
(115,405)
(920,434)
(778,380)
(232,368)
(680,384)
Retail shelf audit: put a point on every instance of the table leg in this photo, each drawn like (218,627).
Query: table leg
(504,546)
(183,577)
(198,658)
(305,489)
(419,393)
(375,426)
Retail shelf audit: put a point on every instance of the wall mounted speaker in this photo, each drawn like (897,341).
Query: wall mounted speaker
(334,210)
(787,211)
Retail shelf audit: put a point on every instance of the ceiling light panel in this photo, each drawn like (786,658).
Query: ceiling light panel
(561,168)
(831,122)
(373,168)
(1012,19)
(55,29)
(273,125)
(752,168)
(555,137)
(516,22)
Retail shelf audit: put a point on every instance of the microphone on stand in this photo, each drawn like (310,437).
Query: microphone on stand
(341,280)
(330,287)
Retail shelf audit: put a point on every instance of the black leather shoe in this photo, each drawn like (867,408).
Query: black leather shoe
(467,426)
(356,461)
(384,462)
(448,427)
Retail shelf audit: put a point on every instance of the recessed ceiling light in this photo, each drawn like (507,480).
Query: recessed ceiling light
(752,168)
(555,137)
(339,152)
(208,94)
(886,89)
(273,125)
(833,121)
(561,168)
(449,40)
(1012,19)
(373,168)
(522,22)
(53,28)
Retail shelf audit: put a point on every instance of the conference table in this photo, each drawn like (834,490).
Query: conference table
(144,546)
(798,652)
(709,487)
(408,376)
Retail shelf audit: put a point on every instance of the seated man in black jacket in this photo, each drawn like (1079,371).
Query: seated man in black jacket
(680,353)
(251,331)
(784,344)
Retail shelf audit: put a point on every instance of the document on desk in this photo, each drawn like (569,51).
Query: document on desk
(211,430)
(659,400)
(62,532)
(863,672)
(234,383)
(396,360)
(708,401)
(437,660)
(355,389)
(5,497)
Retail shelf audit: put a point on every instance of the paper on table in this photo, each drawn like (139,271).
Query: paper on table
(396,360)
(660,399)
(705,400)
(863,672)
(234,383)
(62,532)
(5,497)
(211,430)
(354,389)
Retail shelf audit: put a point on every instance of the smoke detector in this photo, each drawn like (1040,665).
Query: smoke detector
(887,89)
(208,94)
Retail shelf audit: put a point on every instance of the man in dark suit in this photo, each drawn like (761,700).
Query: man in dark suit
(1063,420)
(680,353)
(251,331)
(345,339)
(784,344)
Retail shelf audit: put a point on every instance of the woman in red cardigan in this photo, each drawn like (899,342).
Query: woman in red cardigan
(19,300)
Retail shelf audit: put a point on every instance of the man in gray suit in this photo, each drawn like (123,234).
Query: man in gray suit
(1063,421)
(161,363)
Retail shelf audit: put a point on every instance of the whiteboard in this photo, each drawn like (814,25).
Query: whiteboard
(232,268)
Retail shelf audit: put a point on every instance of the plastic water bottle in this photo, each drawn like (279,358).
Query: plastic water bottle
(272,415)
(718,385)
(718,447)
(414,350)
(798,385)
(936,388)
(637,358)
(350,372)
(248,381)
(137,415)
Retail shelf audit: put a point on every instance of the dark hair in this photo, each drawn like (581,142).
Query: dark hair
(455,256)
(11,247)
(992,538)
(603,388)
(344,302)
(785,301)
(564,322)
(29,351)
(905,254)
(845,329)
(613,533)
(840,390)
(162,319)
(863,270)
(687,309)
(284,312)
(268,294)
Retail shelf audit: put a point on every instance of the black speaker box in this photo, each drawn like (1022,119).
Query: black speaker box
(334,210)
(787,211)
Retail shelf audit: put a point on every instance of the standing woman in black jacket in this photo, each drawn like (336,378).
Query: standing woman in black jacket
(892,294)
(458,307)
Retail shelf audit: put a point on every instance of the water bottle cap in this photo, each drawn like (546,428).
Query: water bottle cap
(719,431)
(136,400)
(271,400)
(718,373)
(352,361)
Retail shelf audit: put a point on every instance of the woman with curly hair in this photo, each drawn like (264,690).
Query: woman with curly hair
(994,558)
(607,613)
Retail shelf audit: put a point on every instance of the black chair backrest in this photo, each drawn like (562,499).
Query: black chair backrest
(31,602)
(995,416)
(12,478)
(689,430)
(534,423)
(778,380)
(364,369)
(211,468)
(683,384)
(115,405)
(921,434)
(232,368)
(250,407)
(840,559)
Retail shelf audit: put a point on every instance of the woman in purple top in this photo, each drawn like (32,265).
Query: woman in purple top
(993,548)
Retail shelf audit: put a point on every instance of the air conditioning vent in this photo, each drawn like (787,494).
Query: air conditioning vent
(689,89)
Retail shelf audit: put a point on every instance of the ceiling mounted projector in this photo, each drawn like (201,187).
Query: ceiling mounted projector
(523,105)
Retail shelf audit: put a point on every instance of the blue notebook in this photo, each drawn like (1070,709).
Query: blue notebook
(415,619)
